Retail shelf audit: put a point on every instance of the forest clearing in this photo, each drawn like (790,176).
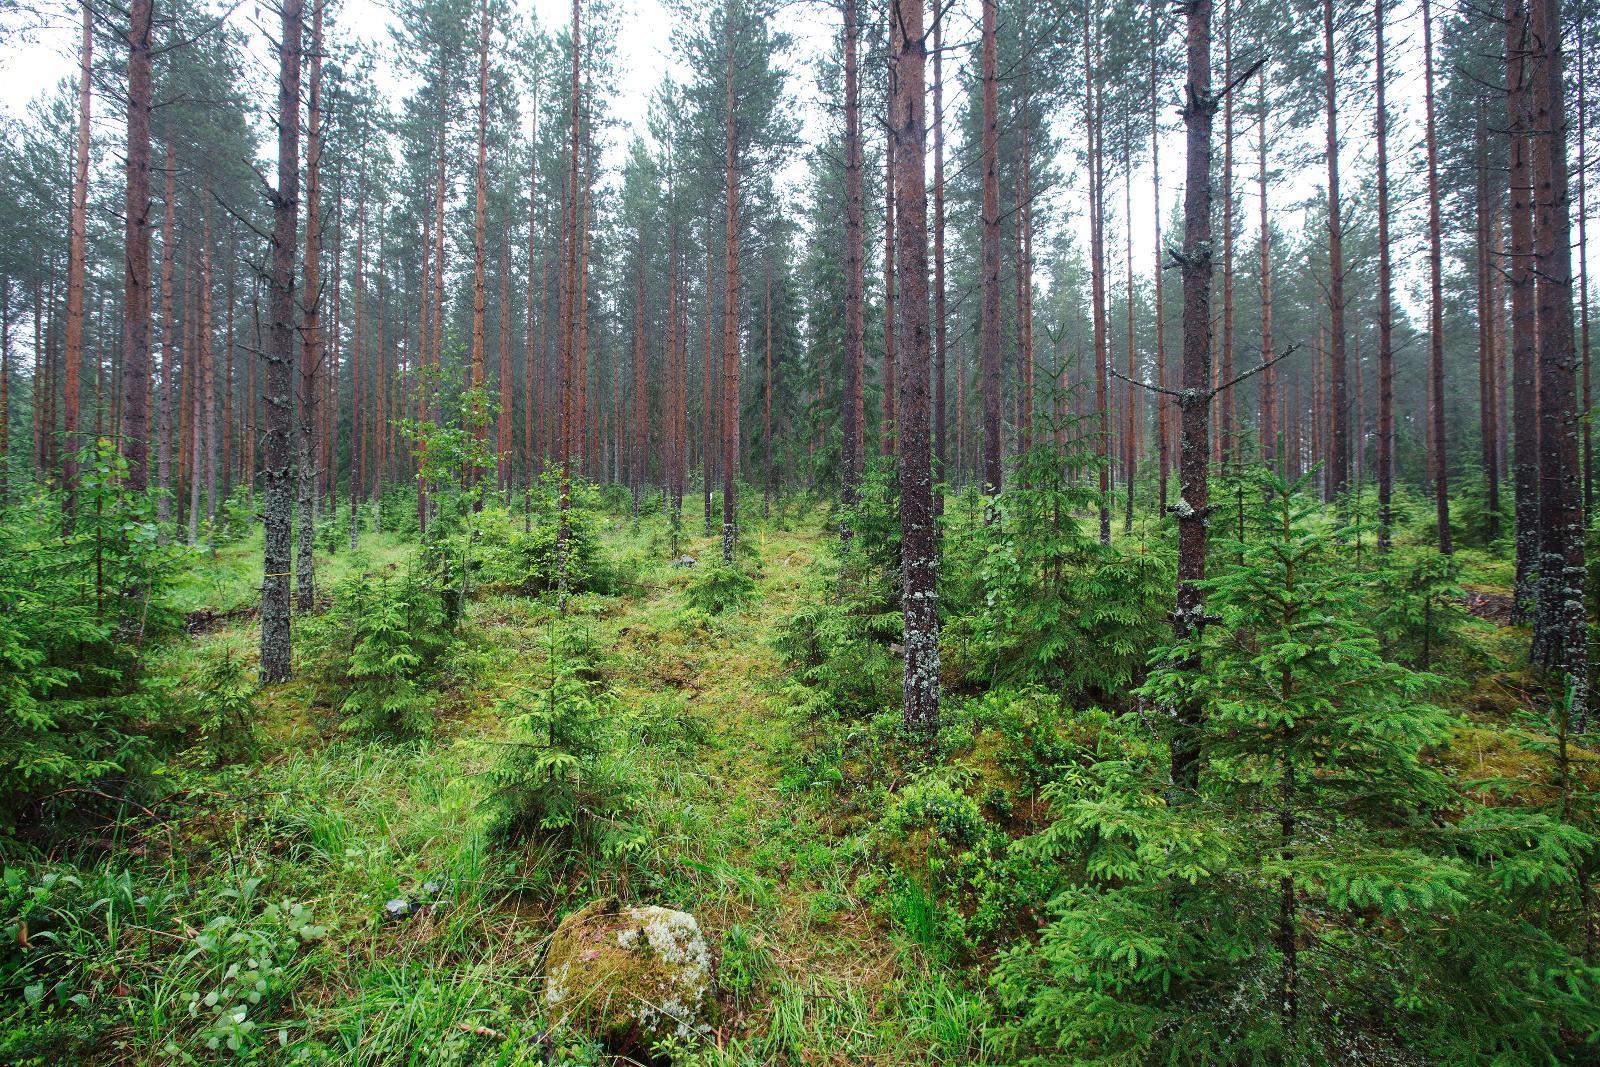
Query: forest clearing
(625,532)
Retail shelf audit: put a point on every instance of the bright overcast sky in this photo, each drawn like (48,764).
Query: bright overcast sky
(31,70)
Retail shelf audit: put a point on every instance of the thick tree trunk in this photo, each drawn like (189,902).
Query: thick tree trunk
(1524,342)
(136,251)
(278,470)
(1193,507)
(989,305)
(918,541)
(1560,630)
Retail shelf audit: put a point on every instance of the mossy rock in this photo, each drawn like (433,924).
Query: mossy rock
(630,976)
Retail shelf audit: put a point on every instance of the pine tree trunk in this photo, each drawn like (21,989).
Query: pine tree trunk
(1097,277)
(730,313)
(311,330)
(1338,443)
(1163,415)
(918,543)
(1524,344)
(1385,452)
(276,663)
(989,306)
(1193,507)
(76,256)
(1441,471)
(1268,417)
(169,364)
(136,251)
(1560,626)
(940,331)
(637,466)
(1486,331)
(852,413)
(886,431)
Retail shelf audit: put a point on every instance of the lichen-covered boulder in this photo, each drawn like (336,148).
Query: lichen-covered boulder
(630,975)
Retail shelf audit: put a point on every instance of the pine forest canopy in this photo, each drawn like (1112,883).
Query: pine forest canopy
(1145,470)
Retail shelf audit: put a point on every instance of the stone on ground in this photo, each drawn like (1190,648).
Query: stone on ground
(631,975)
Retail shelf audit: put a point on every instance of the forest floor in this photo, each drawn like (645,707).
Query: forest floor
(330,827)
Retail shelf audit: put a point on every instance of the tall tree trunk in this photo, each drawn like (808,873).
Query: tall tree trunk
(503,447)
(1130,441)
(918,542)
(886,432)
(276,663)
(1560,626)
(1338,443)
(169,364)
(1441,473)
(1524,341)
(1163,416)
(1486,332)
(766,400)
(359,462)
(1097,275)
(989,306)
(730,311)
(311,332)
(136,251)
(852,414)
(76,256)
(480,185)
(636,468)
(1193,507)
(940,331)
(205,387)
(569,314)
(1385,454)
(1268,418)
(1225,406)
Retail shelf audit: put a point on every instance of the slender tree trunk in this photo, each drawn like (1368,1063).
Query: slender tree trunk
(640,412)
(1583,272)
(1441,473)
(1338,444)
(503,446)
(918,543)
(1163,415)
(1097,276)
(136,251)
(886,433)
(358,399)
(76,256)
(1560,626)
(1268,428)
(1193,507)
(311,331)
(169,364)
(479,217)
(852,413)
(569,314)
(1486,331)
(279,469)
(1226,428)
(940,330)
(989,307)
(1385,456)
(730,313)
(766,415)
